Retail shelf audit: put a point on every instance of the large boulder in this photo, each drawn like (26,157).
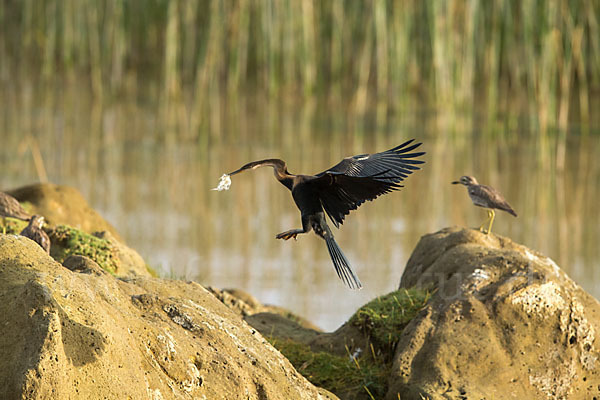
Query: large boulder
(88,334)
(505,322)
(476,317)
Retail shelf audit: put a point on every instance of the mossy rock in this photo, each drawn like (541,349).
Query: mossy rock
(68,241)
(384,318)
(361,371)
(344,376)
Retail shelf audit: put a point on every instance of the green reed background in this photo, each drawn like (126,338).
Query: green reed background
(536,60)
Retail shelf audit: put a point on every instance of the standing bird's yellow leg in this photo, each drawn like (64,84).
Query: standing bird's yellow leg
(489,221)
(3,226)
(492,214)
(486,222)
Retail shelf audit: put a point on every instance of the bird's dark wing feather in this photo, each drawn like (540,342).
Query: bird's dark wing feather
(354,180)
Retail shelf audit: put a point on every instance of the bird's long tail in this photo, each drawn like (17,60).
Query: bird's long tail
(506,207)
(341,264)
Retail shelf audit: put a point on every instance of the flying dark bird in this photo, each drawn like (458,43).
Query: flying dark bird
(487,197)
(10,208)
(337,191)
(34,232)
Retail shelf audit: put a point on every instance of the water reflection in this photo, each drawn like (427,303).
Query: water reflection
(156,192)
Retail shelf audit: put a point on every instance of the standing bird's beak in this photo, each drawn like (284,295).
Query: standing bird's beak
(455,182)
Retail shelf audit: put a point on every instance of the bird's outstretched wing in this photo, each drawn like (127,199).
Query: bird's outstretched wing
(345,186)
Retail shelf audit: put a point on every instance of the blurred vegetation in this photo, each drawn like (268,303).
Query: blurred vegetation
(539,59)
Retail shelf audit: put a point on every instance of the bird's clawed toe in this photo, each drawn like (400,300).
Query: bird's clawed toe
(287,235)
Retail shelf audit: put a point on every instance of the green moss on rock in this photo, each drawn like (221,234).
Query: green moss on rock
(384,318)
(68,241)
(337,374)
(363,375)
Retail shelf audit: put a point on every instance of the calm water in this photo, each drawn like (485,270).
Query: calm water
(156,192)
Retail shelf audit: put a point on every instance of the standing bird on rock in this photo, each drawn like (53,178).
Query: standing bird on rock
(487,197)
(337,191)
(34,232)
(10,208)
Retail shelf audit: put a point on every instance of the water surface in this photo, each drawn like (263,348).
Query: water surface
(137,166)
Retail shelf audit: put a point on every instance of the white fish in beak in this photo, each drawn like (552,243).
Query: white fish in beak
(224,183)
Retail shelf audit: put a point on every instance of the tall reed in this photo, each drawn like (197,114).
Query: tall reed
(539,59)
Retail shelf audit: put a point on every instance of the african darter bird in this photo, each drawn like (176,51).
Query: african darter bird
(337,191)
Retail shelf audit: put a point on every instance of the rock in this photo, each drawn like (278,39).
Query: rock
(504,322)
(354,361)
(278,326)
(83,264)
(75,335)
(62,205)
(476,317)
(247,306)
(101,247)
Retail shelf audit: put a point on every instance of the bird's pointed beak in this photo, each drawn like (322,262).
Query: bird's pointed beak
(455,182)
(237,171)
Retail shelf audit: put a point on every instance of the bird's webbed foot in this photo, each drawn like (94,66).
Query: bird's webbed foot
(292,233)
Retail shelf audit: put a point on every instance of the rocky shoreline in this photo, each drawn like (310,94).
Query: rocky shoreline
(475,317)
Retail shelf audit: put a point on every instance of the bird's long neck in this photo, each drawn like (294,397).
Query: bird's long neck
(282,175)
(286,180)
(279,168)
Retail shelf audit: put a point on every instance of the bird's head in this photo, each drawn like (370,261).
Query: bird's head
(466,180)
(37,221)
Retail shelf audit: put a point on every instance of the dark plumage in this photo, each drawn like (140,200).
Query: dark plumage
(10,208)
(341,189)
(487,197)
(35,232)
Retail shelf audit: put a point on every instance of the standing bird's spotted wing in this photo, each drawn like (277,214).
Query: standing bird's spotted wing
(345,186)
(487,196)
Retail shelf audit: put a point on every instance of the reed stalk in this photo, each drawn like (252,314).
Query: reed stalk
(538,60)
